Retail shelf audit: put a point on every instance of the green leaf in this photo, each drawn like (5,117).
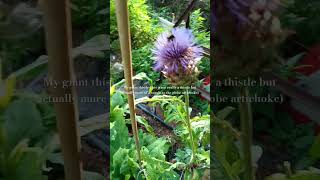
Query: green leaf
(140,76)
(55,158)
(118,131)
(145,123)
(116,100)
(295,59)
(237,167)
(315,149)
(122,164)
(29,167)
(222,114)
(303,141)
(92,124)
(92,176)
(159,148)
(93,47)
(25,124)
(30,68)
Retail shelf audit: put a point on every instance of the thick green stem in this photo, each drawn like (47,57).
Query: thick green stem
(246,129)
(189,127)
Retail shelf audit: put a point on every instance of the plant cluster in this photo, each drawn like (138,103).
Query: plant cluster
(191,160)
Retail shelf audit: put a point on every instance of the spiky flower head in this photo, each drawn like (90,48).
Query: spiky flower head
(248,33)
(176,55)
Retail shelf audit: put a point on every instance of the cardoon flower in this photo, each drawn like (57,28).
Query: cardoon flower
(176,55)
(247,33)
(238,9)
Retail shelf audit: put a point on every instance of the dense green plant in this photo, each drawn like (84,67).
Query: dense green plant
(304,18)
(142,62)
(195,165)
(123,160)
(28,139)
(123,154)
(167,9)
(193,132)
(94,47)
(227,155)
(91,17)
(204,67)
(199,28)
(142,31)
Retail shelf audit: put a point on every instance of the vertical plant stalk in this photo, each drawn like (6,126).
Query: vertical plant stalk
(60,66)
(125,43)
(2,58)
(246,131)
(193,145)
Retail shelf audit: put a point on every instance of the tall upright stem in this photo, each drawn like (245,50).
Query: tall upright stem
(125,43)
(246,129)
(189,126)
(60,66)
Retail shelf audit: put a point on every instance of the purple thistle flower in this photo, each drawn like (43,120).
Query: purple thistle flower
(176,52)
(237,8)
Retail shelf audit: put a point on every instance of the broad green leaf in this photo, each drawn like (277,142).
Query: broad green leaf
(140,76)
(159,148)
(116,100)
(93,47)
(25,124)
(40,62)
(145,123)
(89,125)
(29,167)
(118,131)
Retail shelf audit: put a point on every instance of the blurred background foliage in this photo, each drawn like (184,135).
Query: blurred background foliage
(303,17)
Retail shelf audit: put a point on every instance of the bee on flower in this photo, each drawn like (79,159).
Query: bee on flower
(176,55)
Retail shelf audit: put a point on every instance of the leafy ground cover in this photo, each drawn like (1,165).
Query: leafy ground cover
(30,147)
